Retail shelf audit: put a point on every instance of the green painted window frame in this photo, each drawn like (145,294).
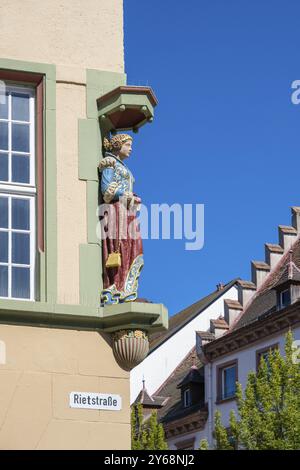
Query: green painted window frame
(44,75)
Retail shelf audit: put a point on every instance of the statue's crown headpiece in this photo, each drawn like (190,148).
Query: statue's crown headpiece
(116,142)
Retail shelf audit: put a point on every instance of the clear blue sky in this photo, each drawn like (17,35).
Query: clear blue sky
(225,134)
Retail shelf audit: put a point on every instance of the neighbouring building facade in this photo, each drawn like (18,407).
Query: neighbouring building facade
(224,343)
(169,349)
(62,88)
(251,334)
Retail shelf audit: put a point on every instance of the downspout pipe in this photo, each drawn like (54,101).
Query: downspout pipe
(210,406)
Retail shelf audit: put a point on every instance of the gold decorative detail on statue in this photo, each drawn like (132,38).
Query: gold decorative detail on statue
(107,162)
(111,191)
(114,260)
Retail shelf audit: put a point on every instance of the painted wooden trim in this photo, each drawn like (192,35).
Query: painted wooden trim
(19,76)
(26,67)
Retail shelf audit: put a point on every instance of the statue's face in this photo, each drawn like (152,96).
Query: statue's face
(125,150)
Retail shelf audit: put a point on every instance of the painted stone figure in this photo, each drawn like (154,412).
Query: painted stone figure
(122,250)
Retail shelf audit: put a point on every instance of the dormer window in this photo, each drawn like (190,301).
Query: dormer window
(287,287)
(187,398)
(284,298)
(192,388)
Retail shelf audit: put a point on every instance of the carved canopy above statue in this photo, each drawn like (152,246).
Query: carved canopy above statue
(126,108)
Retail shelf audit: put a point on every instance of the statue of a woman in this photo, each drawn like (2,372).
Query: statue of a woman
(122,250)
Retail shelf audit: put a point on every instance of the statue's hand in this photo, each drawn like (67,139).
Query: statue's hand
(137,200)
(128,195)
(132,200)
(129,198)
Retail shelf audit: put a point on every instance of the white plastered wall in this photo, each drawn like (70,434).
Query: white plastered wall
(157,367)
(246,362)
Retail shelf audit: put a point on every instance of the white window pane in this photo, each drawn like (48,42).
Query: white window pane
(3,281)
(16,231)
(20,168)
(20,283)
(20,137)
(20,248)
(20,107)
(3,105)
(3,166)
(3,247)
(3,212)
(20,214)
(3,136)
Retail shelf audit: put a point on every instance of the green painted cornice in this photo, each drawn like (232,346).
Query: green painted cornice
(131,315)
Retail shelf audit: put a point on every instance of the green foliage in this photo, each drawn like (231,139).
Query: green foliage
(269,410)
(234,430)
(137,432)
(220,434)
(160,438)
(146,436)
(203,445)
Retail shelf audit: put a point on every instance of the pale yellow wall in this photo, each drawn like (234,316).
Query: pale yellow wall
(74,35)
(71,192)
(42,367)
(83,33)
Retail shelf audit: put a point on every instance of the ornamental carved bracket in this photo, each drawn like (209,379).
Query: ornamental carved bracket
(126,108)
(130,325)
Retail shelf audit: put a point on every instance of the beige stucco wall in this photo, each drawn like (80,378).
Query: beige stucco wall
(71,192)
(87,34)
(73,35)
(42,367)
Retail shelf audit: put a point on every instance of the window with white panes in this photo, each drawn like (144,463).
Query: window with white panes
(17,193)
